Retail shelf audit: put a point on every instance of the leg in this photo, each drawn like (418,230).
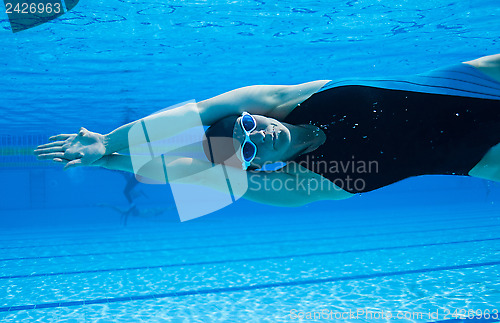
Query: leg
(131,183)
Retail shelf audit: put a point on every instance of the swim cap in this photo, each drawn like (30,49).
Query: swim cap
(219,144)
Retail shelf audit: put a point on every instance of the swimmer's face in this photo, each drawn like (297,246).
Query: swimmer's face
(271,137)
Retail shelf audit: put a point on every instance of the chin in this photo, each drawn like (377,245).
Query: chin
(284,137)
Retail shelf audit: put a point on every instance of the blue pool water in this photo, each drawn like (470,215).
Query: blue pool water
(423,246)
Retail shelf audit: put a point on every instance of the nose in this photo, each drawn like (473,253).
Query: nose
(258,136)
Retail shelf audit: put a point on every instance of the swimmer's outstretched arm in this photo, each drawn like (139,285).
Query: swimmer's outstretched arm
(86,147)
(270,100)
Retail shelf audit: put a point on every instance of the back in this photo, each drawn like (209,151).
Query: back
(377,136)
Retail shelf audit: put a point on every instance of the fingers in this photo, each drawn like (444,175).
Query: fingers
(52,144)
(59,154)
(61,160)
(60,137)
(50,156)
(43,151)
(65,136)
(68,163)
(73,163)
(82,131)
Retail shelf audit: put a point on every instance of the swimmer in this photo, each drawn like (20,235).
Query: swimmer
(334,138)
(134,211)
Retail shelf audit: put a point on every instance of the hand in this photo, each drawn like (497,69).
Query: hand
(101,162)
(83,149)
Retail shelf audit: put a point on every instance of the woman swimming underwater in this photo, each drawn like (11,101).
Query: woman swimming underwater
(352,136)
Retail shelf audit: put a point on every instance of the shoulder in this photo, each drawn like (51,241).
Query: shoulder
(289,96)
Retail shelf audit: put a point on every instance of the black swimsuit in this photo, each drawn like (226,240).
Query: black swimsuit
(382,131)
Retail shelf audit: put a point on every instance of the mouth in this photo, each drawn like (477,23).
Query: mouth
(274,136)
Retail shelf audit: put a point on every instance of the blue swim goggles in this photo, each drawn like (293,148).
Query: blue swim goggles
(248,148)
